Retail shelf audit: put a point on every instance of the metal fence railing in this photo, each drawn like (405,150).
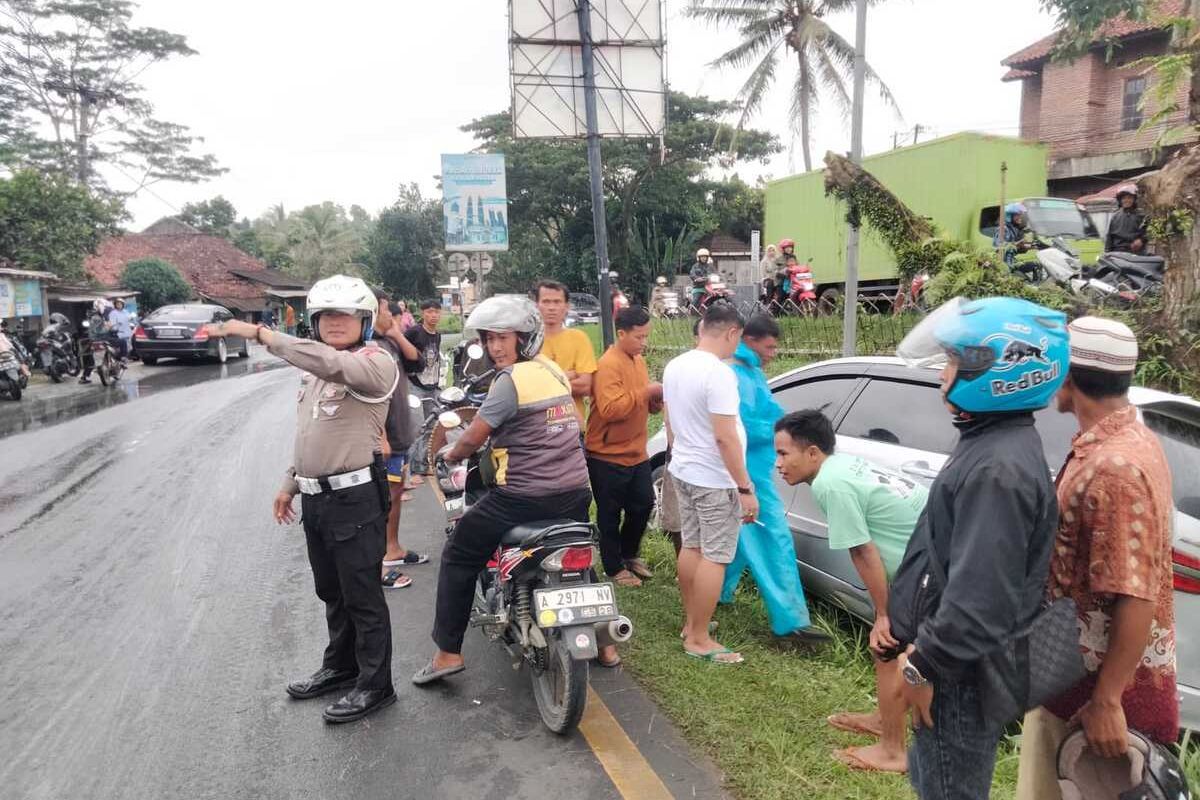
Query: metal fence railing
(804,338)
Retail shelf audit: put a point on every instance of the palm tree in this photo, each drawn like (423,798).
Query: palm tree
(769,29)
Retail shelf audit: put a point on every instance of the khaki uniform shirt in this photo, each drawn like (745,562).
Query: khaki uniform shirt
(336,432)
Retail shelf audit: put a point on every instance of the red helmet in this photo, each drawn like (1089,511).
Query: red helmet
(786,243)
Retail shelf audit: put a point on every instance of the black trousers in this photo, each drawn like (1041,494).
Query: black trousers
(475,539)
(346,533)
(618,490)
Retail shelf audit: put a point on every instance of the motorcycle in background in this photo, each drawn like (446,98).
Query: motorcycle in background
(56,349)
(13,378)
(1061,264)
(804,290)
(536,597)
(715,291)
(1142,275)
(109,365)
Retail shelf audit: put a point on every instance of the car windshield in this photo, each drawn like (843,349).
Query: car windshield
(1181,443)
(584,301)
(181,314)
(1059,218)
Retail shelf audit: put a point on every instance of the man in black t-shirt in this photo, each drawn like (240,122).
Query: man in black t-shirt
(421,347)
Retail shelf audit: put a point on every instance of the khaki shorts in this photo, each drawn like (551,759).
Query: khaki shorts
(1037,774)
(710,520)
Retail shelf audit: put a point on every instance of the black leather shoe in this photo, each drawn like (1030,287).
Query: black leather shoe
(321,682)
(358,703)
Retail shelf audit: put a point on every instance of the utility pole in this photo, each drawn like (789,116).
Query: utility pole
(917,132)
(599,220)
(850,317)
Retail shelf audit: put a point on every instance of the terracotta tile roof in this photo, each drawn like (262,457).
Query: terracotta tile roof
(724,243)
(206,262)
(271,277)
(1118,28)
(1019,75)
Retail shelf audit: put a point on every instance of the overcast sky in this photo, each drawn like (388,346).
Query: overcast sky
(311,101)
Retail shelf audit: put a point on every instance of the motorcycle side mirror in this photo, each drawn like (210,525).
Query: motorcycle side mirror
(414,401)
(449,419)
(85,324)
(474,351)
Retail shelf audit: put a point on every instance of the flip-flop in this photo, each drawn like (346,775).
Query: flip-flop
(852,760)
(410,559)
(638,567)
(406,496)
(711,656)
(840,722)
(395,579)
(628,579)
(415,480)
(428,674)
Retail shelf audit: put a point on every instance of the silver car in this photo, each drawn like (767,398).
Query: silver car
(893,415)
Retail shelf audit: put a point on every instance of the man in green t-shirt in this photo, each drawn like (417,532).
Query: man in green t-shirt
(871,512)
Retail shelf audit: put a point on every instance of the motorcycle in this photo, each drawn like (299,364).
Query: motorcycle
(473,372)
(109,365)
(13,379)
(803,295)
(1131,272)
(670,305)
(715,291)
(1061,264)
(56,351)
(536,597)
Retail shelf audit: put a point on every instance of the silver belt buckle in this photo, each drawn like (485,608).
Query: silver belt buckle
(308,485)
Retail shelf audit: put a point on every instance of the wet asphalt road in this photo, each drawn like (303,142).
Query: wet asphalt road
(151,614)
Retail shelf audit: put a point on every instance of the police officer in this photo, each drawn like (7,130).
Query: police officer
(339,471)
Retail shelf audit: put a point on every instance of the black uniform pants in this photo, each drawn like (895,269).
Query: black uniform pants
(618,489)
(346,532)
(475,539)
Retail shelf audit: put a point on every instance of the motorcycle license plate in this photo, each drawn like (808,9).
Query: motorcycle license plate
(571,605)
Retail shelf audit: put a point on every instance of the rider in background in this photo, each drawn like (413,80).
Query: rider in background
(101,328)
(1127,228)
(699,274)
(1016,225)
(537,456)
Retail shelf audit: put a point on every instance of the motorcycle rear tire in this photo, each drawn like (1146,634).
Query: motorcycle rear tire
(102,373)
(14,389)
(560,690)
(55,372)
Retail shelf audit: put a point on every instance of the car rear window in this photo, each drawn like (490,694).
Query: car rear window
(1181,443)
(181,314)
(584,301)
(905,414)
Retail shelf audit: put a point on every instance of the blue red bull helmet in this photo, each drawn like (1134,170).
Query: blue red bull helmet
(1012,355)
(1013,209)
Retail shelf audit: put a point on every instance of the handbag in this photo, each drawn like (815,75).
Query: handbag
(1032,666)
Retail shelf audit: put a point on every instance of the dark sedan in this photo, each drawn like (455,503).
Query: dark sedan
(584,310)
(178,332)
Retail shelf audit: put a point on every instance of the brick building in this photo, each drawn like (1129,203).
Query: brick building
(1090,111)
(217,271)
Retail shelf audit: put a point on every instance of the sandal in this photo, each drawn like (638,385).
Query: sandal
(415,480)
(430,674)
(406,497)
(714,656)
(410,559)
(844,721)
(853,760)
(395,579)
(639,567)
(627,578)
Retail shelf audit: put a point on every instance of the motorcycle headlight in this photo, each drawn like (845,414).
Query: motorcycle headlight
(452,394)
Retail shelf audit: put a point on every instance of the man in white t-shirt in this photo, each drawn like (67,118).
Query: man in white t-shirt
(708,470)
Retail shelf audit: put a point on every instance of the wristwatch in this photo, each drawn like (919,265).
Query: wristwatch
(912,675)
(745,490)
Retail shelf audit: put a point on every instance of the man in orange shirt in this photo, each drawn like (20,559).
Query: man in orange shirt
(619,467)
(570,348)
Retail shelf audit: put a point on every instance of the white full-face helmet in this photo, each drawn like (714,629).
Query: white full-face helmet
(344,294)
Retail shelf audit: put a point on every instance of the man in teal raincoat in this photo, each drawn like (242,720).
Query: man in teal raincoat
(765,546)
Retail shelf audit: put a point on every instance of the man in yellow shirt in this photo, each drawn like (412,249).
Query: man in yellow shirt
(570,348)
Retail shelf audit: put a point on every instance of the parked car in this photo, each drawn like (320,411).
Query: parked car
(585,310)
(177,331)
(893,415)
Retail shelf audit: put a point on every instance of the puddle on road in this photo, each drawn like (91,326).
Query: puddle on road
(32,412)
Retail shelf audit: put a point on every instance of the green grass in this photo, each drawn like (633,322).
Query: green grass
(763,722)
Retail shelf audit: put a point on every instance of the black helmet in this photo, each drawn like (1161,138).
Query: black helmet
(1149,771)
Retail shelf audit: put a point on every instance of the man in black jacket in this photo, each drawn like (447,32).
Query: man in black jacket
(1127,228)
(975,569)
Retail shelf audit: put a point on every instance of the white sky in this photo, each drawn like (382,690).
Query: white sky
(311,101)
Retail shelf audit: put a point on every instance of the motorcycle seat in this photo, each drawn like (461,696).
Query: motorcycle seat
(533,533)
(1135,260)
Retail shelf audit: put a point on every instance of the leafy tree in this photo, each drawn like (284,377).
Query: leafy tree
(49,223)
(71,66)
(769,30)
(324,241)
(158,281)
(404,245)
(216,216)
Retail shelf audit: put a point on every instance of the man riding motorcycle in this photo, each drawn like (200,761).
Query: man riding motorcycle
(536,455)
(1127,229)
(783,283)
(1016,225)
(658,302)
(699,274)
(101,328)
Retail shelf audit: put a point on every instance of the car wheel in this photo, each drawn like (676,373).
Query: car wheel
(245,351)
(222,351)
(149,361)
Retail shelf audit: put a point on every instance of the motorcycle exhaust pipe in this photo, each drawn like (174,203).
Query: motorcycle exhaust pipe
(614,631)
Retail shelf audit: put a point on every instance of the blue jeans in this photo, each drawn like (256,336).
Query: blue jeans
(955,760)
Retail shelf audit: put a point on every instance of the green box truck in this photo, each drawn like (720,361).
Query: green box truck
(955,181)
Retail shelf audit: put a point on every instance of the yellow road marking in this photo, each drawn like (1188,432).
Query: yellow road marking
(627,768)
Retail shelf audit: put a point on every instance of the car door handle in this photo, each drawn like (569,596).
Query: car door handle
(919,469)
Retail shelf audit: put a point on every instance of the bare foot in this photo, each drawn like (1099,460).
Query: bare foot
(442,659)
(868,724)
(608,656)
(873,758)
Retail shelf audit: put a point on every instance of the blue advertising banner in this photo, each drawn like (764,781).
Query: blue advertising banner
(474,203)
